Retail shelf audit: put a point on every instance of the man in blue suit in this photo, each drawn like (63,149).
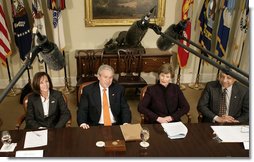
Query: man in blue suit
(90,110)
(237,101)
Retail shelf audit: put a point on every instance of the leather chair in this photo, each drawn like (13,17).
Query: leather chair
(144,119)
(80,90)
(22,117)
(129,65)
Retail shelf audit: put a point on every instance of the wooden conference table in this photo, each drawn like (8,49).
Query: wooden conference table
(77,142)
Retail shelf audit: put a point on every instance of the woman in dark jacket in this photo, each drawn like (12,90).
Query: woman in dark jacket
(46,107)
(164,102)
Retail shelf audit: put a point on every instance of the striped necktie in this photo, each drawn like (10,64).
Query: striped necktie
(223,107)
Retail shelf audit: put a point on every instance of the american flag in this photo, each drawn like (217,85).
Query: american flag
(5,48)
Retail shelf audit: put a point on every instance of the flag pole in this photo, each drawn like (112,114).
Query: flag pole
(13,92)
(182,87)
(66,89)
(197,85)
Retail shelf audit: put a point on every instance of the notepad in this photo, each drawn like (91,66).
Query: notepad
(131,132)
(175,130)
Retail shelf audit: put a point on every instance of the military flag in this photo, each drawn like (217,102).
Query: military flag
(21,28)
(206,23)
(224,29)
(59,38)
(240,34)
(38,17)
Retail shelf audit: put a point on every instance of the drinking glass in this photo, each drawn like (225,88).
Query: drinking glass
(6,138)
(144,134)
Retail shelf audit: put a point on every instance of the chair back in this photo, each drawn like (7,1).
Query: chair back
(129,65)
(25,101)
(129,61)
(89,64)
(80,90)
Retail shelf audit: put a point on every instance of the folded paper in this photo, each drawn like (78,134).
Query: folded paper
(175,130)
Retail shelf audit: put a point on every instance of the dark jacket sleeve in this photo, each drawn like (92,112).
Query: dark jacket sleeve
(124,107)
(206,103)
(31,121)
(82,112)
(244,104)
(65,114)
(182,105)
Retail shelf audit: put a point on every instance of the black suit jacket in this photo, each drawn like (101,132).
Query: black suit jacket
(209,102)
(163,101)
(89,110)
(58,114)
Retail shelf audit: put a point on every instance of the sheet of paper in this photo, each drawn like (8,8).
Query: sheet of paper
(246,145)
(175,130)
(36,138)
(8,147)
(29,153)
(235,133)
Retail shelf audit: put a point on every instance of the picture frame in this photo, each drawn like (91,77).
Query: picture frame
(122,12)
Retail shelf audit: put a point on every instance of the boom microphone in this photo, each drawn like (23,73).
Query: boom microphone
(50,53)
(174,31)
(138,30)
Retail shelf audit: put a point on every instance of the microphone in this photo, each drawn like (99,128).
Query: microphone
(138,30)
(174,31)
(50,53)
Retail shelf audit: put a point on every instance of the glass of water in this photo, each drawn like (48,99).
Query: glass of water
(6,138)
(144,135)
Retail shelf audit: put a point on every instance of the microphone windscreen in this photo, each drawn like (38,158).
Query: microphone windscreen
(163,43)
(53,58)
(135,34)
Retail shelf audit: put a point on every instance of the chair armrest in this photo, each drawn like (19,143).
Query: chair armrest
(68,124)
(20,120)
(142,117)
(188,117)
(200,117)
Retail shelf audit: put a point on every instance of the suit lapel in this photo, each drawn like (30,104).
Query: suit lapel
(111,96)
(216,97)
(97,97)
(39,104)
(233,100)
(52,103)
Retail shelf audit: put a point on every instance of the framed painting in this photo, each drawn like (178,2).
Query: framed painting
(122,12)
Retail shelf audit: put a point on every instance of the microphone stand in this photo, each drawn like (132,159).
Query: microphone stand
(27,63)
(66,89)
(197,85)
(207,59)
(13,92)
(182,87)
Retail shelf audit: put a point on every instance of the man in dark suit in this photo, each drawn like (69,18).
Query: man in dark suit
(237,101)
(91,106)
